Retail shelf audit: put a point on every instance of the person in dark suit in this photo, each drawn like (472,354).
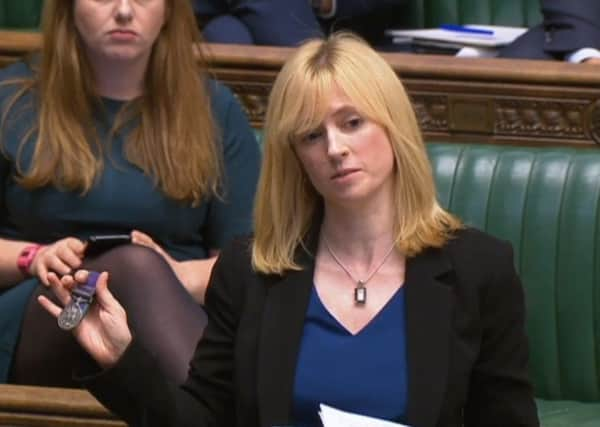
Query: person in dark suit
(357,290)
(570,31)
(290,22)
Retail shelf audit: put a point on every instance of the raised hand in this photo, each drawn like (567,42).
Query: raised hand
(61,257)
(103,332)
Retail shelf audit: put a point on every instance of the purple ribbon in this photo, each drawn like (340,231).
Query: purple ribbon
(87,289)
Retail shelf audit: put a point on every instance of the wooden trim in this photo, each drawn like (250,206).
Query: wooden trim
(456,100)
(243,57)
(47,406)
(19,42)
(422,66)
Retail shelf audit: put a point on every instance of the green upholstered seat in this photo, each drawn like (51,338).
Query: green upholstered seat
(546,202)
(20,14)
(432,13)
(561,413)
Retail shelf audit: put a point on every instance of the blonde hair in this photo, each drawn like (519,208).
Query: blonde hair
(175,141)
(286,203)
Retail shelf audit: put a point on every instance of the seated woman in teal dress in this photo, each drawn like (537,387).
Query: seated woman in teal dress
(114,128)
(358,290)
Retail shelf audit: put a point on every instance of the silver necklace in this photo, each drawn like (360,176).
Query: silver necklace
(360,290)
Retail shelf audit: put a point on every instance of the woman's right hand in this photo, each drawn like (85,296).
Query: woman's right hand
(103,331)
(61,257)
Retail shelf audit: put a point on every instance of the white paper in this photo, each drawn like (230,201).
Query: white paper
(502,35)
(332,417)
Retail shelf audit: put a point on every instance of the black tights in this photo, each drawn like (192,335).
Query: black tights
(162,315)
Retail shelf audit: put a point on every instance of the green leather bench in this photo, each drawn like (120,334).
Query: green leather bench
(432,13)
(546,202)
(419,13)
(20,14)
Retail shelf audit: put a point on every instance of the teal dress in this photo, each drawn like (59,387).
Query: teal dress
(123,199)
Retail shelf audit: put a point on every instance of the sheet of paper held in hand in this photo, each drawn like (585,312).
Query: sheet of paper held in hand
(332,417)
(499,35)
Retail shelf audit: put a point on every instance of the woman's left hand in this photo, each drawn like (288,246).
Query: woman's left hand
(193,274)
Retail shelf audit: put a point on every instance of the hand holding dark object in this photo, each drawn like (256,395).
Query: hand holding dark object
(66,255)
(62,257)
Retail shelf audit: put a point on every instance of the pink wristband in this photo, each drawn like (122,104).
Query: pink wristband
(26,258)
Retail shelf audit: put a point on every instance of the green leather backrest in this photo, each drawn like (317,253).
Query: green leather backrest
(432,13)
(419,13)
(20,14)
(546,202)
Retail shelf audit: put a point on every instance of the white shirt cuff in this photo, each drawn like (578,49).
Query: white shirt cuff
(477,52)
(331,13)
(582,55)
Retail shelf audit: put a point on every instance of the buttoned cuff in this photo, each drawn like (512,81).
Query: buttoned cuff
(582,55)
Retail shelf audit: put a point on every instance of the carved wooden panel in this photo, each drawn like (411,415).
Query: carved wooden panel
(455,99)
(592,121)
(431,111)
(254,98)
(541,118)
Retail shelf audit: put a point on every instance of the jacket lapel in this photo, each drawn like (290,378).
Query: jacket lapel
(429,307)
(281,332)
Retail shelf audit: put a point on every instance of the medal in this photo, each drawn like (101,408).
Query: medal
(70,316)
(82,297)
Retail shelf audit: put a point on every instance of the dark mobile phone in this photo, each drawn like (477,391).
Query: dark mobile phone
(103,242)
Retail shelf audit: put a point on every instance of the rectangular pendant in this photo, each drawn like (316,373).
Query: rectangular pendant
(360,295)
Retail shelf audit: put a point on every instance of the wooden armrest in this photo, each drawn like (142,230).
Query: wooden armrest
(52,407)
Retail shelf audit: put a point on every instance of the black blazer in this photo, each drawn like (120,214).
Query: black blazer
(568,25)
(467,350)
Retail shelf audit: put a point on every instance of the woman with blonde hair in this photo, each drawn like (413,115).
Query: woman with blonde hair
(358,290)
(113,128)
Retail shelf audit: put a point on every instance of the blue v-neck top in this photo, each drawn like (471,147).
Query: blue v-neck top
(364,373)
